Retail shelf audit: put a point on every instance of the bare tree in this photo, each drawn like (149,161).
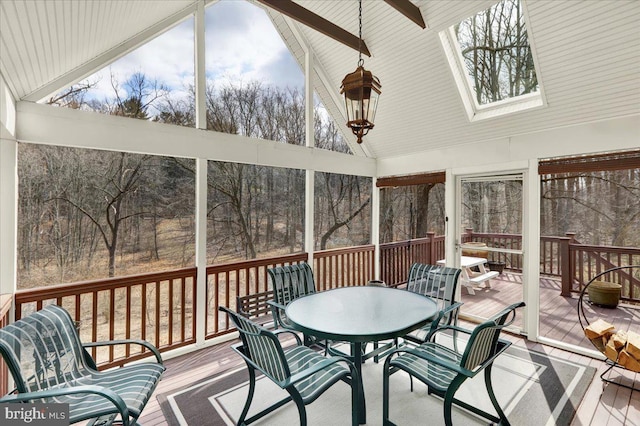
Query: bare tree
(497,53)
(600,207)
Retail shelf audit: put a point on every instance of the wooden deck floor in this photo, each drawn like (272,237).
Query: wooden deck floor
(558,314)
(602,405)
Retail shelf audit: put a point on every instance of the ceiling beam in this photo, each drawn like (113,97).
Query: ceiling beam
(318,23)
(409,10)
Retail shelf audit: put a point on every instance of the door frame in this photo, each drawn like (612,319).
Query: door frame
(530,228)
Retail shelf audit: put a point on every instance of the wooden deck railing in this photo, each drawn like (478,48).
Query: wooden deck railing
(573,262)
(158,307)
(161,307)
(332,268)
(228,281)
(343,267)
(587,261)
(396,258)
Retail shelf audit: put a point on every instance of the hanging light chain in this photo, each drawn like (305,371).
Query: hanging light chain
(360,60)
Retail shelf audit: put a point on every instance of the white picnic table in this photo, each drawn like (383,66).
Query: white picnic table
(470,279)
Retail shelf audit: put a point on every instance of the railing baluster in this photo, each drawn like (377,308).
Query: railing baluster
(127,349)
(112,322)
(170,325)
(94,322)
(183,308)
(143,312)
(157,328)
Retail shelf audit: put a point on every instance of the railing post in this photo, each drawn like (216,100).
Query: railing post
(566,265)
(431,258)
(467,236)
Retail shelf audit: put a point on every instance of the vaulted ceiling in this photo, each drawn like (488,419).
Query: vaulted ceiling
(587,54)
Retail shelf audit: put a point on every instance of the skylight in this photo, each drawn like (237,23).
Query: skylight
(493,62)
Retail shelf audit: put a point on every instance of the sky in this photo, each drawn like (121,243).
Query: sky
(241,45)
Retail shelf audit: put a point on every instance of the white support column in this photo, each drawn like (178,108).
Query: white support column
(201,249)
(8,214)
(201,178)
(200,73)
(8,194)
(451,217)
(450,224)
(375,226)
(309,206)
(309,186)
(531,248)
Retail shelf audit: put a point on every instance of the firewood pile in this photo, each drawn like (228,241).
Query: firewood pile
(622,347)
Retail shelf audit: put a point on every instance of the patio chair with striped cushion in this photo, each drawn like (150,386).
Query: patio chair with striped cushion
(439,283)
(443,369)
(302,372)
(49,365)
(289,283)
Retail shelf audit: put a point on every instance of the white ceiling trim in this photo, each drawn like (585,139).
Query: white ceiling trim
(109,56)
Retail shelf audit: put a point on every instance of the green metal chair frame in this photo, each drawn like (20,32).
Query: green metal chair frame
(444,370)
(49,364)
(439,283)
(288,283)
(302,372)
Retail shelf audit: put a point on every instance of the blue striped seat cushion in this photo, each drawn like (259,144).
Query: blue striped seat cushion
(435,375)
(134,384)
(300,358)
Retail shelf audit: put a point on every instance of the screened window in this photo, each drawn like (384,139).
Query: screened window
(342,210)
(253,211)
(410,212)
(86,214)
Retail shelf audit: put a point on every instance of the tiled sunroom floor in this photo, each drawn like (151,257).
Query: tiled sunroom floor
(602,405)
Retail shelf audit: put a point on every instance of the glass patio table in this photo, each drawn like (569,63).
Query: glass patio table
(358,315)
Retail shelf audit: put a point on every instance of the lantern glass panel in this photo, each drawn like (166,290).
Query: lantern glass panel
(374,105)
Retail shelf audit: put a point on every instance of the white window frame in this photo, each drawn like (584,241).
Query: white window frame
(475,111)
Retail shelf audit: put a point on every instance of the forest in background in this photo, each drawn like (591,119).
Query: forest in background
(87,214)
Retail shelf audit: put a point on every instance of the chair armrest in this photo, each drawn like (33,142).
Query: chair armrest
(275,304)
(454,306)
(455,328)
(502,346)
(435,324)
(286,330)
(275,312)
(143,343)
(240,349)
(103,392)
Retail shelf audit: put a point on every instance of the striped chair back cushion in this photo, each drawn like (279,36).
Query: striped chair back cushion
(436,282)
(263,348)
(291,282)
(481,347)
(484,339)
(44,348)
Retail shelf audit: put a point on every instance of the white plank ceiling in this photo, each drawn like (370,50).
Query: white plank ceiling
(587,52)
